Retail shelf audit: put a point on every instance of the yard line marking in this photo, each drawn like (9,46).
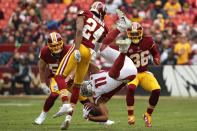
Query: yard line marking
(14,104)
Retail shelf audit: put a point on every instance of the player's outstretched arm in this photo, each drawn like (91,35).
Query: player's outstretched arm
(78,37)
(93,68)
(155,53)
(42,67)
(104,114)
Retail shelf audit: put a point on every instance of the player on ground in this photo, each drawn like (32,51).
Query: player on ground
(50,56)
(106,83)
(140,48)
(90,30)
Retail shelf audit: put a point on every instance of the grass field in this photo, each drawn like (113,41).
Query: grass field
(171,114)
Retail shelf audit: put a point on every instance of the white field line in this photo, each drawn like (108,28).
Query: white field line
(15,104)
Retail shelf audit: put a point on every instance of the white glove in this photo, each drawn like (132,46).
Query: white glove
(45,89)
(77,55)
(124,23)
(86,112)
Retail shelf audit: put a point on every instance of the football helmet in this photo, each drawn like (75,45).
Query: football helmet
(55,43)
(135,32)
(99,8)
(86,89)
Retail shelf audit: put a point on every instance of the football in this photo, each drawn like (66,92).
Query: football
(94,109)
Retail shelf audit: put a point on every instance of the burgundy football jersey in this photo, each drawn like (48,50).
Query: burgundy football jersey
(140,53)
(94,29)
(52,61)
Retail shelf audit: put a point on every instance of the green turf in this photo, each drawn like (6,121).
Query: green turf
(171,114)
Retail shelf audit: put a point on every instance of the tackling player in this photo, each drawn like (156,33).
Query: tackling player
(50,56)
(90,31)
(141,47)
(106,83)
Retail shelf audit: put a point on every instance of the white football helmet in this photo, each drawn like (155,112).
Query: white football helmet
(86,89)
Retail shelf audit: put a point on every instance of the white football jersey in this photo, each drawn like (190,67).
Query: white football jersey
(102,83)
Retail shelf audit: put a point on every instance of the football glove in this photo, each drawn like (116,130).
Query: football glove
(86,112)
(77,55)
(156,61)
(45,89)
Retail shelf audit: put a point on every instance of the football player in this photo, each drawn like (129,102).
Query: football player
(141,47)
(90,31)
(50,56)
(105,84)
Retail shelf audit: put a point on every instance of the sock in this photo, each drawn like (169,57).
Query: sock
(75,95)
(50,101)
(62,87)
(154,97)
(130,99)
(85,101)
(43,113)
(114,72)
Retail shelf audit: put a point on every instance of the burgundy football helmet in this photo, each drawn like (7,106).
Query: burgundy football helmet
(99,8)
(55,43)
(135,32)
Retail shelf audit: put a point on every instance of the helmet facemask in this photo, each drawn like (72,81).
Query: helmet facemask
(55,43)
(135,36)
(135,33)
(56,47)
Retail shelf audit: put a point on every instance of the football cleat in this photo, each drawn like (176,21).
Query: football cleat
(40,119)
(131,120)
(147,118)
(124,22)
(108,122)
(65,125)
(63,110)
(123,45)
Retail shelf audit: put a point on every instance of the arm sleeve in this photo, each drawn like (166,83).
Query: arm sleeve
(154,51)
(111,36)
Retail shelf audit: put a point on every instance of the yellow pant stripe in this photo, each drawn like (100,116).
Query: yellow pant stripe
(130,107)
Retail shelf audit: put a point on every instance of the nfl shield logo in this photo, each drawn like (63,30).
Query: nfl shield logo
(131,50)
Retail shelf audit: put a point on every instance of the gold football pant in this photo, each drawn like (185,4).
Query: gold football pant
(146,80)
(69,62)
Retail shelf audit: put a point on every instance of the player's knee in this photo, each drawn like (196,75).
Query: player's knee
(131,87)
(156,92)
(105,118)
(54,95)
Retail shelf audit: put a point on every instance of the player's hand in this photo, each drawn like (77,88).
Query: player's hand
(86,111)
(156,61)
(77,55)
(45,89)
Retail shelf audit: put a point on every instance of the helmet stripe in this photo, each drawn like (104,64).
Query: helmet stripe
(53,36)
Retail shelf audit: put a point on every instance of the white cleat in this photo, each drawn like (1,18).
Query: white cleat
(63,110)
(108,122)
(65,125)
(124,22)
(40,119)
(124,45)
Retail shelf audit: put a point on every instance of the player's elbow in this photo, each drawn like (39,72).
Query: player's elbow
(105,118)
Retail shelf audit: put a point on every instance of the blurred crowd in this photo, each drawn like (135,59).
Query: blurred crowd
(172,23)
